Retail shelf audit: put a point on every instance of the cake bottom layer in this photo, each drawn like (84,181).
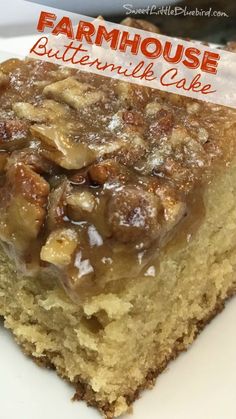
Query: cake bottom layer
(114,344)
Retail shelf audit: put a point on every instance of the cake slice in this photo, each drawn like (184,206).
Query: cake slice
(117,225)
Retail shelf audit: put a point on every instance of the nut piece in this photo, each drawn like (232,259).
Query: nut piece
(108,148)
(31,157)
(82,201)
(49,111)
(107,170)
(132,118)
(131,95)
(23,202)
(172,202)
(59,247)
(13,134)
(57,205)
(152,108)
(174,212)
(133,149)
(10,65)
(125,92)
(24,181)
(193,107)
(203,135)
(179,136)
(61,149)
(4,79)
(178,172)
(164,122)
(76,94)
(134,214)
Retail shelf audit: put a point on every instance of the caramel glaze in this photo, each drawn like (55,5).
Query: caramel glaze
(96,175)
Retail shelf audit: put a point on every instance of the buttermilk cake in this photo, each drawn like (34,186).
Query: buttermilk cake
(117,225)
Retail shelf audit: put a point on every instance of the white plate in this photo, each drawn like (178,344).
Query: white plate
(200,384)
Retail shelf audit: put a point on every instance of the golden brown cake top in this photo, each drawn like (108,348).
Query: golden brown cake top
(95,171)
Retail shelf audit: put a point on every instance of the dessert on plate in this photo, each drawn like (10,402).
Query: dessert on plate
(117,225)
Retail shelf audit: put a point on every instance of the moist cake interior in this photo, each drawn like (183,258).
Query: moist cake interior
(117,225)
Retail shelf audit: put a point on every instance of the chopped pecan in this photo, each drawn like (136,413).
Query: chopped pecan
(4,79)
(133,149)
(132,118)
(134,215)
(24,181)
(203,135)
(16,129)
(105,171)
(80,203)
(48,111)
(164,122)
(172,201)
(152,108)
(177,171)
(57,203)
(11,65)
(13,134)
(193,107)
(131,95)
(195,154)
(108,148)
(125,92)
(61,73)
(23,201)
(179,136)
(13,129)
(62,149)
(32,158)
(74,93)
(60,247)
(151,162)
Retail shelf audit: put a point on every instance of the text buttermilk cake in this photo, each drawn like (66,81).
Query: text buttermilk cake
(117,224)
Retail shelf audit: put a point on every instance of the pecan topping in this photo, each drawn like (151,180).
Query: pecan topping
(49,111)
(13,129)
(74,93)
(96,170)
(164,122)
(79,203)
(134,214)
(57,203)
(23,205)
(32,158)
(59,148)
(132,118)
(60,247)
(4,79)
(105,171)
